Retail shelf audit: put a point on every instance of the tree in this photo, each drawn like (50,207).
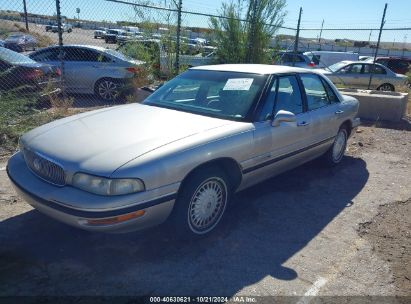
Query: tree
(244,32)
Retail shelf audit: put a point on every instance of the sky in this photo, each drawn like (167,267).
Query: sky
(335,13)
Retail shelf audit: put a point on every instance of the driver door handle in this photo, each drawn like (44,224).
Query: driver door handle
(303,124)
(339,112)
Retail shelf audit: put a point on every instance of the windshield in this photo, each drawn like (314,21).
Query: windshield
(336,66)
(13,57)
(227,95)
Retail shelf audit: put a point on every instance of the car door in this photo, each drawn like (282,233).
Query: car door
(323,107)
(351,76)
(379,75)
(277,148)
(83,68)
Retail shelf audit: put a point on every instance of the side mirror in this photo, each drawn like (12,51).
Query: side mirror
(283,116)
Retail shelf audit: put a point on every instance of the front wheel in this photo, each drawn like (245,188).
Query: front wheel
(201,203)
(336,152)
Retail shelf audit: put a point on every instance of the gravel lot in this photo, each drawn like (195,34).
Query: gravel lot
(313,230)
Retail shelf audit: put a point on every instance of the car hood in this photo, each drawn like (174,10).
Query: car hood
(101,141)
(324,71)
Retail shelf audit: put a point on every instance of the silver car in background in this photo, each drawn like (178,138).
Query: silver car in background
(183,153)
(92,69)
(356,74)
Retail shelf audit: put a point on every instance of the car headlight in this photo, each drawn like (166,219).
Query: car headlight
(106,186)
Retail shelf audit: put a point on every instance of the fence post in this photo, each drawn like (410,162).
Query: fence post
(297,36)
(378,45)
(25,15)
(177,62)
(61,50)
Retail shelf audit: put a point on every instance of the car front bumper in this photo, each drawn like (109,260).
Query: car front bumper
(55,201)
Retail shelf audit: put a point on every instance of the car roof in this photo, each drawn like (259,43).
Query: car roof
(263,69)
(98,48)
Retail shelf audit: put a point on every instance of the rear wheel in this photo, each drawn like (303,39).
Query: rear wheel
(108,89)
(201,203)
(336,152)
(386,87)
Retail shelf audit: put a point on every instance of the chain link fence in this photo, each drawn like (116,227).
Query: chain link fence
(66,56)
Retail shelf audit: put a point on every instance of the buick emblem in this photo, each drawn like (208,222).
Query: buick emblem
(37,164)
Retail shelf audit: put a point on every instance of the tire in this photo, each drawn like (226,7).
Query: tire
(387,87)
(335,154)
(201,203)
(108,89)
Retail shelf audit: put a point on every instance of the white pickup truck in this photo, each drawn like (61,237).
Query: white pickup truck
(65,27)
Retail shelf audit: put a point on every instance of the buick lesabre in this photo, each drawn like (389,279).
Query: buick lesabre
(181,154)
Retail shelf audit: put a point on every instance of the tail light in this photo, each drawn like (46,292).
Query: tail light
(33,74)
(133,70)
(311,64)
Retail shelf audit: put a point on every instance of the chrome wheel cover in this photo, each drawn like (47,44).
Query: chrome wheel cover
(340,143)
(207,205)
(108,89)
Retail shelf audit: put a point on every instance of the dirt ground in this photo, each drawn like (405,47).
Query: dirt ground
(343,231)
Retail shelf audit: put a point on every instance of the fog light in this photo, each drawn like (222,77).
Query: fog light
(116,219)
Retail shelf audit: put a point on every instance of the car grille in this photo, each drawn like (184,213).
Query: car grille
(44,168)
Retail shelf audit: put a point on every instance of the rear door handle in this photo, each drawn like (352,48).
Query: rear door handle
(302,124)
(339,112)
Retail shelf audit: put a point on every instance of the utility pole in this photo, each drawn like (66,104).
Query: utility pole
(369,37)
(297,36)
(321,32)
(25,15)
(378,45)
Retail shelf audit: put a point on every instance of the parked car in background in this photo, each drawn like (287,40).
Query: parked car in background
(324,59)
(20,42)
(100,33)
(162,59)
(356,74)
(225,128)
(18,71)
(365,58)
(290,58)
(91,69)
(65,27)
(398,65)
(111,35)
(49,26)
(129,36)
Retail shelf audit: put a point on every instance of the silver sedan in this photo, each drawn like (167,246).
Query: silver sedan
(92,69)
(183,153)
(356,74)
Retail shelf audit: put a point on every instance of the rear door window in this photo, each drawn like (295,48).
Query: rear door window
(317,96)
(46,55)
